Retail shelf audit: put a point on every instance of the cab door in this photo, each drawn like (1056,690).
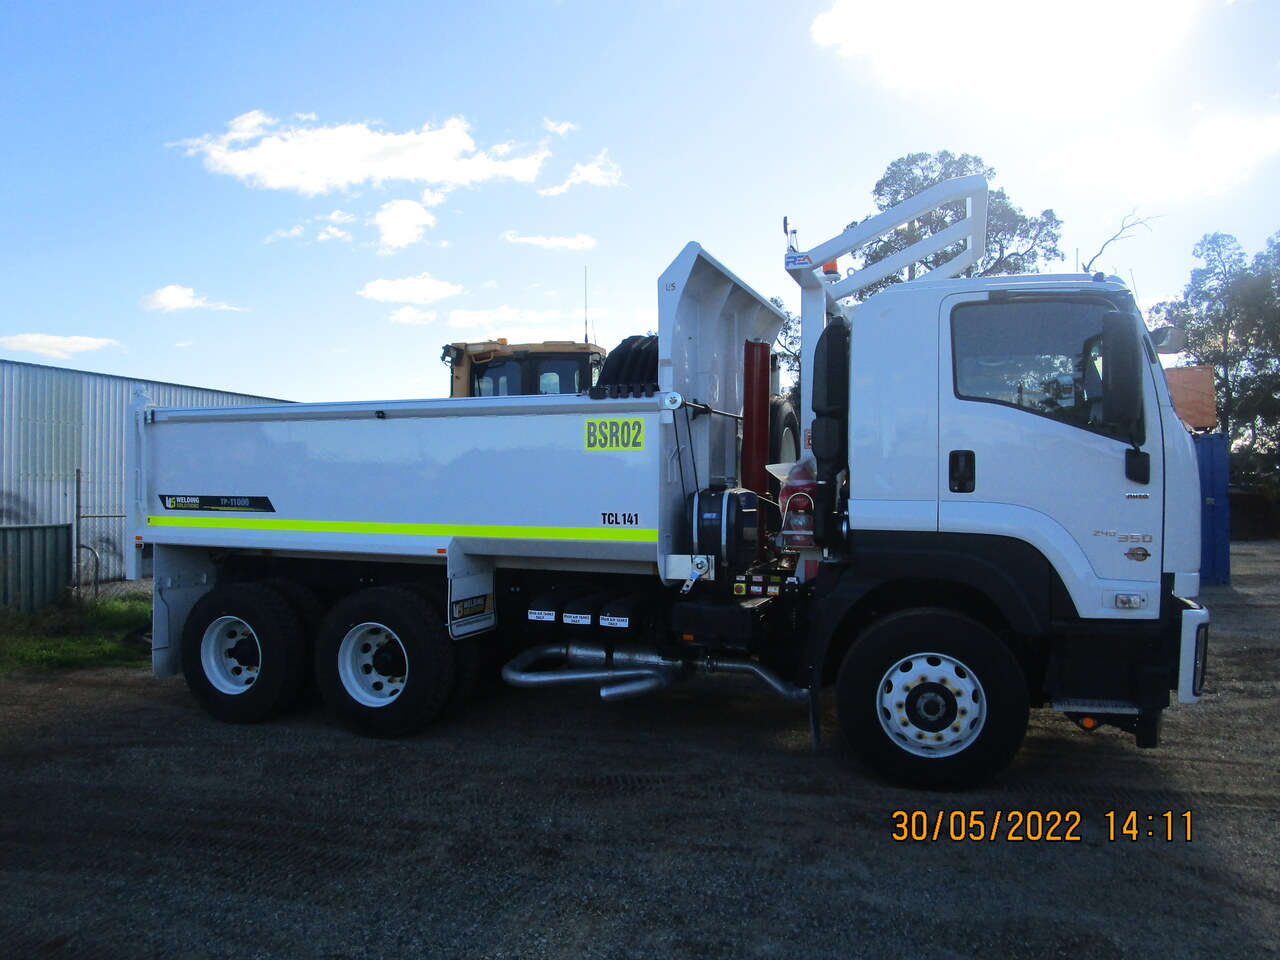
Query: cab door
(1030,449)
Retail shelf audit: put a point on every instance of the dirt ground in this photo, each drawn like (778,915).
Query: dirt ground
(694,823)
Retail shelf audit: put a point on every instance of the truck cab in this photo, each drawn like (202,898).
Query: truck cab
(1007,506)
(495,368)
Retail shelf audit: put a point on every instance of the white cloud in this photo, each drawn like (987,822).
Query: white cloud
(400,223)
(249,125)
(579,242)
(559,129)
(312,159)
(283,234)
(49,345)
(1097,52)
(1210,157)
(411,316)
(1223,151)
(1127,136)
(422,289)
(175,297)
(600,172)
(329,232)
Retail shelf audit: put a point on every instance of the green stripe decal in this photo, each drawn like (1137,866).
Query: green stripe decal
(606,534)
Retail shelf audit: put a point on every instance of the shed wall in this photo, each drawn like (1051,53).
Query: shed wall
(54,421)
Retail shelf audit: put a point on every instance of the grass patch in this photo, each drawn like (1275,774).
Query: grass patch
(74,635)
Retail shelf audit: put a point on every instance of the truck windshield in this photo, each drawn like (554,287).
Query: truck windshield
(1039,355)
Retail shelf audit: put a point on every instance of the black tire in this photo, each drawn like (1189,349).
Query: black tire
(310,611)
(784,432)
(306,603)
(466,658)
(784,444)
(632,362)
(384,662)
(932,699)
(243,652)
(466,652)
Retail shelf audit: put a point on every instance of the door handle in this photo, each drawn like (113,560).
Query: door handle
(963,471)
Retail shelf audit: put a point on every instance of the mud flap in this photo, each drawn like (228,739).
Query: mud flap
(472,607)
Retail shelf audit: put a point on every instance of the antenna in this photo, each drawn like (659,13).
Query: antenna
(586,338)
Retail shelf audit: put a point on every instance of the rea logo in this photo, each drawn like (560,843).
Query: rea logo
(615,433)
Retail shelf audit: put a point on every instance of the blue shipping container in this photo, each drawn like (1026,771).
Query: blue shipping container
(1215,509)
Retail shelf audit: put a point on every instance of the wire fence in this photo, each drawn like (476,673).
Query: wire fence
(112,590)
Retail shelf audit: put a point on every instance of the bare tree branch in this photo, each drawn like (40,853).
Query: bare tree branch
(1130,221)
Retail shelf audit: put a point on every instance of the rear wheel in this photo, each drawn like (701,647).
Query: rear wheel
(306,603)
(933,699)
(466,656)
(243,652)
(384,662)
(466,652)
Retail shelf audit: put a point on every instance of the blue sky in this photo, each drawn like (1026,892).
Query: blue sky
(308,200)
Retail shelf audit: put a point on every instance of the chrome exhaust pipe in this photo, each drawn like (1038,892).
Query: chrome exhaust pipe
(635,688)
(787,691)
(626,673)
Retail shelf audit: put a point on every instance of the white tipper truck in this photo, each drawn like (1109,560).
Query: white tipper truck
(994,508)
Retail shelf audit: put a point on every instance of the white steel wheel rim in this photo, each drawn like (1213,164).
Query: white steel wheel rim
(931,705)
(373,664)
(230,655)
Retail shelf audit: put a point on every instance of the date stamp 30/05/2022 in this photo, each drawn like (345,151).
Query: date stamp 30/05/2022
(1036,826)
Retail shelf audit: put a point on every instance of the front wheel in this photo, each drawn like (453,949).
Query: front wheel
(933,699)
(384,663)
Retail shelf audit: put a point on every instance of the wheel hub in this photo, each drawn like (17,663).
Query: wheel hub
(372,664)
(388,660)
(931,707)
(230,655)
(931,704)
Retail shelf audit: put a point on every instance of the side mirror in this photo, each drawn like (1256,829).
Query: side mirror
(1169,340)
(831,371)
(830,430)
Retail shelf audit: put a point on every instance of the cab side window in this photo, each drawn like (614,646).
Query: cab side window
(1040,355)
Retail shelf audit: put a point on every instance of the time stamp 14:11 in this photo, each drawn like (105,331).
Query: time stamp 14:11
(1036,825)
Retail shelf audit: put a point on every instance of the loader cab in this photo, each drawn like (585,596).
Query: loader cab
(499,369)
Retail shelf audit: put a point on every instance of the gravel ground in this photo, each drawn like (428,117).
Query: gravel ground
(694,823)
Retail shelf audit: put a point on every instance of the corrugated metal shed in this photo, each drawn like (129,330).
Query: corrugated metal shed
(55,421)
(35,565)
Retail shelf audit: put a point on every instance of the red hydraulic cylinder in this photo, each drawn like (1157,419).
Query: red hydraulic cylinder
(755,417)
